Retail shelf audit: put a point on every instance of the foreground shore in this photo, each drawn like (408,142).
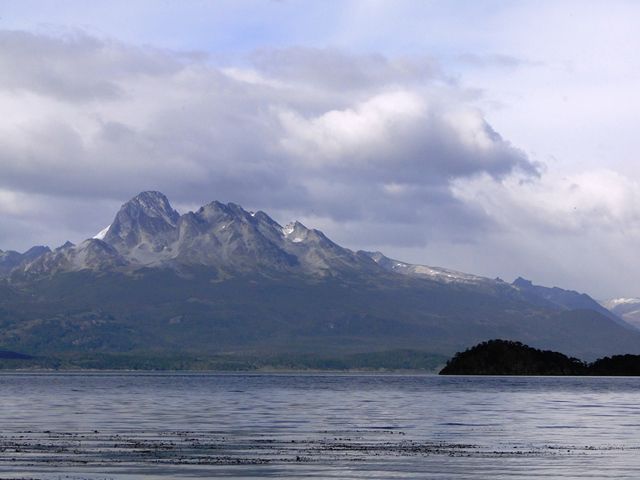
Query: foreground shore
(97,453)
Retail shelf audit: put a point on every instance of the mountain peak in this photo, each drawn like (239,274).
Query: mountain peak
(66,245)
(153,204)
(145,217)
(295,232)
(522,282)
(376,256)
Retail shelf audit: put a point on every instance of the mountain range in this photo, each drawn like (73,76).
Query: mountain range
(226,281)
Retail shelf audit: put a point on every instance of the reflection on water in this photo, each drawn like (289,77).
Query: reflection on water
(152,426)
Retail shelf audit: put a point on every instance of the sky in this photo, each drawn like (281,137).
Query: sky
(496,138)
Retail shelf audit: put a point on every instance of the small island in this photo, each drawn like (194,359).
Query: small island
(507,357)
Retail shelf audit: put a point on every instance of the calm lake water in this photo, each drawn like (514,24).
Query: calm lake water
(158,426)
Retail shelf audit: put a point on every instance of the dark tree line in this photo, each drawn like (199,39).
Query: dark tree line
(507,357)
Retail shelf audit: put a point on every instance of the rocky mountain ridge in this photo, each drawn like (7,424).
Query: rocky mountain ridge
(11,260)
(222,279)
(147,232)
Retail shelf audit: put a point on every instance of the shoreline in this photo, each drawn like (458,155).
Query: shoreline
(226,372)
(293,372)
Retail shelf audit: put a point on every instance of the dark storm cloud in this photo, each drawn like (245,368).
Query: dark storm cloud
(365,139)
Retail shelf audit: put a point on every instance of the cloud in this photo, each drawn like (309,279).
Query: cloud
(592,201)
(334,69)
(577,231)
(313,133)
(34,219)
(492,60)
(402,136)
(75,66)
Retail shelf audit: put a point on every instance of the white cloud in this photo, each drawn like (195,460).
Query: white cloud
(577,231)
(355,134)
(595,200)
(108,120)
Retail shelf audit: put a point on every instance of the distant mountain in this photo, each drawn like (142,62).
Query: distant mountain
(626,308)
(11,260)
(148,232)
(565,299)
(223,280)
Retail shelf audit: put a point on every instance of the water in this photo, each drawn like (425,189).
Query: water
(156,426)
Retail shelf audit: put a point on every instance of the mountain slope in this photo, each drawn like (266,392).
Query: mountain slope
(165,310)
(565,299)
(423,271)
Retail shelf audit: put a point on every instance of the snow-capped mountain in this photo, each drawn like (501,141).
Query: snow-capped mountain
(148,232)
(222,278)
(626,308)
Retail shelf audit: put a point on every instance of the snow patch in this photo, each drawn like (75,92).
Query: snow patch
(288,229)
(102,233)
(437,273)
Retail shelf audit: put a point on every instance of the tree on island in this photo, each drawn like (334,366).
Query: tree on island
(507,357)
(622,365)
